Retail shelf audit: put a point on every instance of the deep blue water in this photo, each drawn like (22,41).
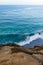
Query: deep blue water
(19,21)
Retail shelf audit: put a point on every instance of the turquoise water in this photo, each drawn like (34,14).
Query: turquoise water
(19,21)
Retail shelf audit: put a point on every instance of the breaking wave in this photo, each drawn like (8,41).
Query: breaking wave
(31,38)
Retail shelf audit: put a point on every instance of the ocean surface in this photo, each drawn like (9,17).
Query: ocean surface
(20,24)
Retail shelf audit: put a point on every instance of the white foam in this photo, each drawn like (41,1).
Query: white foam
(41,35)
(31,38)
(24,42)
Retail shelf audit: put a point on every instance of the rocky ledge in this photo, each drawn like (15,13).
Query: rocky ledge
(13,54)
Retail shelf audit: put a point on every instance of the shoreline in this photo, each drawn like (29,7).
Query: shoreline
(21,39)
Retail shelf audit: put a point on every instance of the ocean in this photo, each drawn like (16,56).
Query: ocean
(20,24)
